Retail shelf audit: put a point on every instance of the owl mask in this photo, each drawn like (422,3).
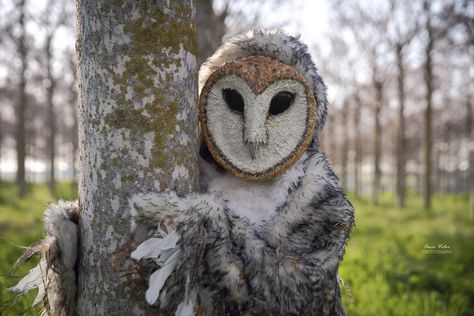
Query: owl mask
(259,114)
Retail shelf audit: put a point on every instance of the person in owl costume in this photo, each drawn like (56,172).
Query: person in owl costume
(266,234)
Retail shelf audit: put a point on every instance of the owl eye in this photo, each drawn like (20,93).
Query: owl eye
(281,102)
(233,99)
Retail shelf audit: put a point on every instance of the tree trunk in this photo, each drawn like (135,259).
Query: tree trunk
(137,133)
(345,145)
(204,16)
(357,146)
(51,115)
(470,137)
(377,141)
(211,28)
(1,142)
(332,120)
(400,148)
(22,105)
(74,128)
(427,142)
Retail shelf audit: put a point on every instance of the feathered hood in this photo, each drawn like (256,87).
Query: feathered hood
(276,44)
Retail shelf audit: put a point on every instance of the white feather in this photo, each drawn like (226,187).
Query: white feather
(40,296)
(32,280)
(187,306)
(257,201)
(36,278)
(154,247)
(159,277)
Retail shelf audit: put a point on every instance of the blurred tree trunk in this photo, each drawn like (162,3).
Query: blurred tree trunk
(138,133)
(22,103)
(345,144)
(1,142)
(332,120)
(470,137)
(400,148)
(378,87)
(211,28)
(204,16)
(73,103)
(427,135)
(51,113)
(357,145)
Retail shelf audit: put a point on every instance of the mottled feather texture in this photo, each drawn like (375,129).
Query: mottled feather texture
(248,248)
(55,275)
(285,265)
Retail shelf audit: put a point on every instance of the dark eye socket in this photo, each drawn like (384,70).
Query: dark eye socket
(233,99)
(281,102)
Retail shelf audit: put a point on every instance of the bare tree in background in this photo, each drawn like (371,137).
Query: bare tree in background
(427,135)
(357,108)
(211,24)
(345,144)
(51,20)
(405,27)
(137,131)
(377,149)
(447,20)
(14,30)
(470,135)
(22,51)
(368,27)
(1,140)
(211,27)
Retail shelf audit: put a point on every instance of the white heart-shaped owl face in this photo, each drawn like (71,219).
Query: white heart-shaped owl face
(258,117)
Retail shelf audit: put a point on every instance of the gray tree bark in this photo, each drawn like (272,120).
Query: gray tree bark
(1,142)
(345,145)
(400,151)
(22,104)
(378,87)
(137,133)
(357,145)
(73,103)
(211,28)
(427,135)
(51,113)
(470,136)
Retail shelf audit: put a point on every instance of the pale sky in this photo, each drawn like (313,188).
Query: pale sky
(307,17)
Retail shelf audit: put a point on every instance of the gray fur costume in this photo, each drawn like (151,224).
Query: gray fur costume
(214,260)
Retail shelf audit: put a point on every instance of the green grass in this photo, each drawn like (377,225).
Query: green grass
(21,225)
(384,269)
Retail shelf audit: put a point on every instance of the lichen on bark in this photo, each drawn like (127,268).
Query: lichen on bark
(138,132)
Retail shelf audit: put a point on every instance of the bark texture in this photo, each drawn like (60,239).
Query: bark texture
(51,112)
(400,148)
(427,135)
(470,134)
(345,145)
(137,133)
(73,103)
(357,145)
(378,87)
(22,104)
(211,28)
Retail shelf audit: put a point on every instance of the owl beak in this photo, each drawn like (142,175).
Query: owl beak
(252,149)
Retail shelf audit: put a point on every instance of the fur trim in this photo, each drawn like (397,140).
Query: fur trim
(55,275)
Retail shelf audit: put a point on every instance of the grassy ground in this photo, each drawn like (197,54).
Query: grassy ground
(384,269)
(21,225)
